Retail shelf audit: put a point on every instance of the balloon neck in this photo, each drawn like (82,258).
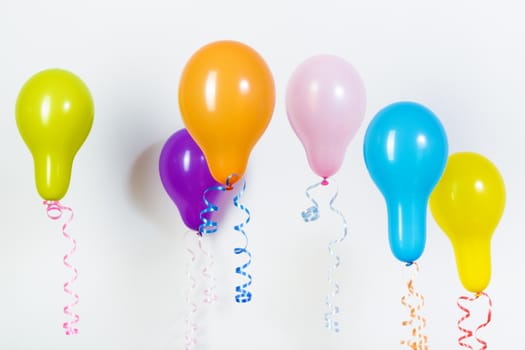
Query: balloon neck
(407,228)
(324,182)
(227,166)
(473,263)
(52,176)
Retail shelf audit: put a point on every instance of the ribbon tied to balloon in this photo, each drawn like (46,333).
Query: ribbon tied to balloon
(325,104)
(405,151)
(467,204)
(185,175)
(54,115)
(226,98)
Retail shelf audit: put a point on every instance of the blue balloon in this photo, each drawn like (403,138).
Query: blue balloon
(406,151)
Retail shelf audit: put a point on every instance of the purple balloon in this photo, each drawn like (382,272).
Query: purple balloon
(185,176)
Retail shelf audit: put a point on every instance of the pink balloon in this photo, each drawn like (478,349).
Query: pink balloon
(325,103)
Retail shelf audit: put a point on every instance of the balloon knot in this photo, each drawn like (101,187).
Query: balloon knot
(324,182)
(409,264)
(230,181)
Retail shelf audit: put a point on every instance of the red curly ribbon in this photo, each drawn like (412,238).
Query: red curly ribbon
(55,210)
(417,323)
(467,333)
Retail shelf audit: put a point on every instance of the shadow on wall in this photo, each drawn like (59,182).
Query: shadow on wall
(148,195)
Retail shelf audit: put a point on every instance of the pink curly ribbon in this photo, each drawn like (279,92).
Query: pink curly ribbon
(417,323)
(191,326)
(55,210)
(209,292)
(467,333)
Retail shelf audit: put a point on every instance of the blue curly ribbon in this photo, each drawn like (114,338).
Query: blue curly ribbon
(333,309)
(209,226)
(243,295)
(312,214)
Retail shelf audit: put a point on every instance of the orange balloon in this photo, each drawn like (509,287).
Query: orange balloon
(226,98)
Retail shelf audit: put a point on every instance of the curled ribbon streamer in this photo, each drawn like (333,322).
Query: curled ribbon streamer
(467,332)
(209,292)
(243,295)
(191,326)
(209,226)
(418,340)
(55,210)
(484,324)
(311,213)
(333,309)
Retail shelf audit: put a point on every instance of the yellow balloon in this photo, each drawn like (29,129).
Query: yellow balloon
(54,114)
(467,204)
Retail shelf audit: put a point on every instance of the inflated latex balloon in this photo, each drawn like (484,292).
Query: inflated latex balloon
(325,103)
(405,151)
(185,176)
(54,114)
(467,204)
(226,98)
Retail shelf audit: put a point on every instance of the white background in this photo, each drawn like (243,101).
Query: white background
(463,59)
